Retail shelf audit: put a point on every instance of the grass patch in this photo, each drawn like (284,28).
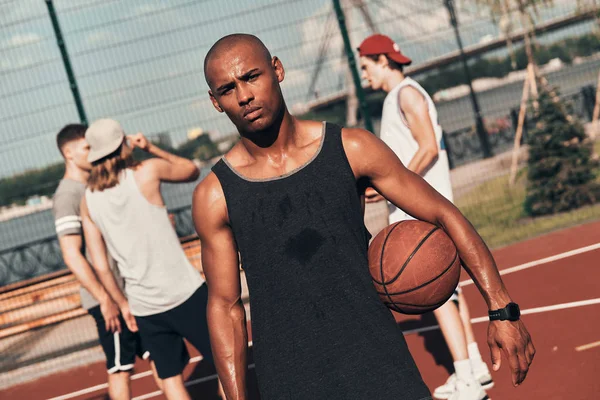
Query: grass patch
(496,211)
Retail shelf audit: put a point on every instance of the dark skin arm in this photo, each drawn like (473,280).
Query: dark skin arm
(369,157)
(225,311)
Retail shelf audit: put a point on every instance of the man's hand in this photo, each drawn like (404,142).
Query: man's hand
(513,339)
(372,196)
(139,140)
(129,318)
(110,312)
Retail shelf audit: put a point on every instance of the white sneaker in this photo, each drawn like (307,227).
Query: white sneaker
(446,390)
(468,391)
(481,374)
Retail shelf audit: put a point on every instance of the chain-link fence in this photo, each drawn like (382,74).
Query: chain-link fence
(140,62)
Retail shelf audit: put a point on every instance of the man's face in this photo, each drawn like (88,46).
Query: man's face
(245,85)
(372,72)
(76,152)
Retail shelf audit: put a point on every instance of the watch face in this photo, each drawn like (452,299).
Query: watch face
(513,310)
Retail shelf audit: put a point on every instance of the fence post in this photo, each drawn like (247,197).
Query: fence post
(589,99)
(482,133)
(448,149)
(67,63)
(360,94)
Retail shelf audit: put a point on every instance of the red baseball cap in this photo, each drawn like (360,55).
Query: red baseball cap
(381,44)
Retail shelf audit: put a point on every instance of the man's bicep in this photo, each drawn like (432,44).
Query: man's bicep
(416,111)
(220,260)
(67,219)
(166,171)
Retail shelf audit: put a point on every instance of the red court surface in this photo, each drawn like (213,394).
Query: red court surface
(559,297)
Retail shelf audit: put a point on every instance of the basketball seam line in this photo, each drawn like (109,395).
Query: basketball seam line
(381,261)
(419,305)
(407,260)
(428,282)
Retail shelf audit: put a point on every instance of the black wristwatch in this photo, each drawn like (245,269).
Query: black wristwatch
(511,313)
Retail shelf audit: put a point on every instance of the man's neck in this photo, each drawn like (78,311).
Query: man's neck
(274,141)
(394,79)
(77,174)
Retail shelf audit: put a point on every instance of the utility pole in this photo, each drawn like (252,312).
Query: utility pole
(360,94)
(481,131)
(67,63)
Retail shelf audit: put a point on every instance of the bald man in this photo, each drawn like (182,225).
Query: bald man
(285,198)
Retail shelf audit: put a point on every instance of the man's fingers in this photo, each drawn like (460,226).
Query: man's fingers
(131,324)
(118,325)
(523,366)
(513,361)
(531,349)
(496,356)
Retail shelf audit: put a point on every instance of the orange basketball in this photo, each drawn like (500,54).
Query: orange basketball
(414,265)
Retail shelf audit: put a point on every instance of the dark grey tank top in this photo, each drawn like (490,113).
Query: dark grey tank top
(319,328)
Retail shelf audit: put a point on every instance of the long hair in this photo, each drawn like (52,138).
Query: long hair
(106,171)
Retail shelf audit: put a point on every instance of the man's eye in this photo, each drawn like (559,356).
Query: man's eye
(225,91)
(252,77)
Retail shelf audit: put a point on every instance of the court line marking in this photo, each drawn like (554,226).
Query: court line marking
(140,375)
(134,377)
(186,384)
(587,346)
(541,261)
(516,268)
(535,310)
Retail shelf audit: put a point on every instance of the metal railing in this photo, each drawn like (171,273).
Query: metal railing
(43,256)
(463,145)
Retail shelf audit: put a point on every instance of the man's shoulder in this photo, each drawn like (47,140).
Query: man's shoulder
(68,192)
(208,190)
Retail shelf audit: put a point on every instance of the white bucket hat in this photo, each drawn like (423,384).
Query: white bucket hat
(104,137)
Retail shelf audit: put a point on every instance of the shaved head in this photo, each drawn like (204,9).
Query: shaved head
(229,42)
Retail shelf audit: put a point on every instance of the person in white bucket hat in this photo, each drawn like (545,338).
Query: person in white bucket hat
(123,210)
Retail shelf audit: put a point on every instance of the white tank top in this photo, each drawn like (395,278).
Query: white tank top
(397,135)
(140,237)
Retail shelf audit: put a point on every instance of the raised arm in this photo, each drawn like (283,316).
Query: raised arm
(416,111)
(95,244)
(225,311)
(167,167)
(370,157)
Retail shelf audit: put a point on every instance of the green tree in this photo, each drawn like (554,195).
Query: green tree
(42,182)
(561,170)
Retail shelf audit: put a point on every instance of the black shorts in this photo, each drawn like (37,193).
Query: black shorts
(162,334)
(120,348)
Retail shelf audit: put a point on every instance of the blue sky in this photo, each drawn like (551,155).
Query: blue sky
(141,61)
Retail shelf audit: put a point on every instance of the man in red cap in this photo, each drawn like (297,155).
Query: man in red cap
(409,126)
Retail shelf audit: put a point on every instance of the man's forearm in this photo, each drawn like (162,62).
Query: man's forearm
(165,155)
(229,340)
(477,260)
(108,280)
(82,270)
(421,160)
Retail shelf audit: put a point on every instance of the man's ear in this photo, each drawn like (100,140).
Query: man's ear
(383,61)
(278,68)
(67,151)
(214,102)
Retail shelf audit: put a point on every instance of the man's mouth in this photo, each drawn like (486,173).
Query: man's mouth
(252,113)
